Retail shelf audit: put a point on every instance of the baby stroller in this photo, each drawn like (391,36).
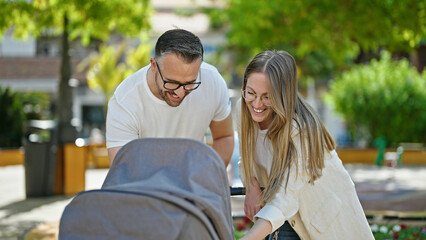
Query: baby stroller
(156,188)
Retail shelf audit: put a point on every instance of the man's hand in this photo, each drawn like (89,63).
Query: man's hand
(252,199)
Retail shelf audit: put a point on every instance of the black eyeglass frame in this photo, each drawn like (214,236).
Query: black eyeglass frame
(197,84)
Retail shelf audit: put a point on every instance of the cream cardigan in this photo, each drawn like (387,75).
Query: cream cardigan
(328,209)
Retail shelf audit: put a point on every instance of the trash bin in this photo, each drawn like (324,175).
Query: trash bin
(40,158)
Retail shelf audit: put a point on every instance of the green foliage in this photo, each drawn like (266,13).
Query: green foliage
(386,97)
(105,72)
(398,231)
(241,227)
(12,119)
(323,35)
(106,69)
(139,57)
(87,19)
(15,109)
(36,105)
(72,19)
(216,16)
(380,231)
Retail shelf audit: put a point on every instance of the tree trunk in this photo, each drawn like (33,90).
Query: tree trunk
(66,132)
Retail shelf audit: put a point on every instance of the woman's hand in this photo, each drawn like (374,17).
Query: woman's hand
(252,199)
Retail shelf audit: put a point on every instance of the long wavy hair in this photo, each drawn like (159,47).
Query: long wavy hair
(289,110)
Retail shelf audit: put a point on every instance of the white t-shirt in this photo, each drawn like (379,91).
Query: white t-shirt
(134,112)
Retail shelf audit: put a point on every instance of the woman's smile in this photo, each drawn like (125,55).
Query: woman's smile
(256,96)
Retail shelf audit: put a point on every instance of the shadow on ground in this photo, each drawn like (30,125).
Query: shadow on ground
(28,204)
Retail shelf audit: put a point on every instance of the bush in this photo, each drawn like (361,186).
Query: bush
(386,98)
(12,119)
(398,231)
(380,231)
(36,105)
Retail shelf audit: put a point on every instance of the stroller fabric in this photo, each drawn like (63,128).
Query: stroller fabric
(156,188)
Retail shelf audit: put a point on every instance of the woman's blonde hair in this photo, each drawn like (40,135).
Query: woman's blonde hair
(289,110)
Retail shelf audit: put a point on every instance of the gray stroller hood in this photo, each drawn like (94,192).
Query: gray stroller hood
(156,188)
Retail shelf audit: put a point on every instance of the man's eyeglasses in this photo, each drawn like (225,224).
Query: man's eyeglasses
(251,96)
(172,85)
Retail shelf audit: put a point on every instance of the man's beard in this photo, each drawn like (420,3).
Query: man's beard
(165,96)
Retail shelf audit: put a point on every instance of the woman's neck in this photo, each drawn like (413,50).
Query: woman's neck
(264,125)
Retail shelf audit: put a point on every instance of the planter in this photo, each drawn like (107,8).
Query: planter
(97,156)
(369,155)
(414,157)
(74,168)
(357,156)
(11,156)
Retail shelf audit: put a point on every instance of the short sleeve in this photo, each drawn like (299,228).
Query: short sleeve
(120,125)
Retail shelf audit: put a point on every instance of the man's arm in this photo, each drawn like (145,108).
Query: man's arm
(223,138)
(111,154)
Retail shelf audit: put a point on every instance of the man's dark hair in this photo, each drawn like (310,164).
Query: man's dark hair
(181,42)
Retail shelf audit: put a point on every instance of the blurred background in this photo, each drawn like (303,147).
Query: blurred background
(360,64)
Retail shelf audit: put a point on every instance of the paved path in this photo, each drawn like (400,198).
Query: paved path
(390,189)
(379,189)
(383,191)
(18,215)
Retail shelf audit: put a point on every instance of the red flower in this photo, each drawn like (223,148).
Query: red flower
(396,235)
(241,226)
(403,226)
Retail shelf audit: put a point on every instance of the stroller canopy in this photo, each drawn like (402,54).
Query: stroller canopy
(156,188)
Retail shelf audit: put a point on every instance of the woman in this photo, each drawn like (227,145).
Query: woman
(286,150)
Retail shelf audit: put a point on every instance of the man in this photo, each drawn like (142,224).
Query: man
(177,95)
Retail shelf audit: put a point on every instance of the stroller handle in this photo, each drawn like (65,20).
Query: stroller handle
(237,191)
(240,190)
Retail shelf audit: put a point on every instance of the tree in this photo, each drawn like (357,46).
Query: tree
(12,120)
(383,97)
(323,35)
(72,19)
(106,70)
